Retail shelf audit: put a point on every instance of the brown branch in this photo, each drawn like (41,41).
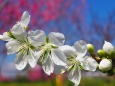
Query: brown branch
(95,58)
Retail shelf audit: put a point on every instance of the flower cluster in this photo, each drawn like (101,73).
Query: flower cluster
(105,57)
(34,47)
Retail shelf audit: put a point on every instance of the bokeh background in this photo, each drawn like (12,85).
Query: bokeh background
(89,20)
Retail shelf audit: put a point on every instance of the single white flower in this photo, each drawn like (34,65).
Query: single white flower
(77,60)
(108,47)
(105,65)
(18,42)
(48,53)
(25,19)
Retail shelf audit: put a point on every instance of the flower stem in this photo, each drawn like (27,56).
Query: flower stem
(96,58)
(60,80)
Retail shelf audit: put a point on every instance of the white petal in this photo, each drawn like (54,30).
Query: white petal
(25,19)
(75,75)
(56,38)
(81,48)
(58,57)
(1,37)
(32,59)
(76,84)
(39,54)
(12,46)
(20,61)
(37,37)
(89,64)
(108,47)
(59,69)
(6,37)
(68,50)
(48,66)
(18,31)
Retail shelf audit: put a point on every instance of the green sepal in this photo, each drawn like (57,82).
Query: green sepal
(54,46)
(47,40)
(72,67)
(80,67)
(31,46)
(10,35)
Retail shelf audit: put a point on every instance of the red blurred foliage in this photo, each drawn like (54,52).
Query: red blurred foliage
(4,79)
(41,11)
(37,73)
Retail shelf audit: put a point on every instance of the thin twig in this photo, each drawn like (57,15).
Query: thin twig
(96,58)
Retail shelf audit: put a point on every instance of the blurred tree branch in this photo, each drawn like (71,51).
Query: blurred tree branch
(3,4)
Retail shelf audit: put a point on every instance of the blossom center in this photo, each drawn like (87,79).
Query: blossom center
(73,62)
(48,46)
(25,46)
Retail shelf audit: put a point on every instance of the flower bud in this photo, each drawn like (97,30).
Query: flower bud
(101,53)
(112,54)
(90,48)
(108,47)
(105,65)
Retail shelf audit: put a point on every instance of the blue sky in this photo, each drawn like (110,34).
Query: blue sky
(101,7)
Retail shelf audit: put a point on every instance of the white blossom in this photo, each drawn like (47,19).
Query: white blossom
(48,53)
(105,65)
(76,60)
(18,42)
